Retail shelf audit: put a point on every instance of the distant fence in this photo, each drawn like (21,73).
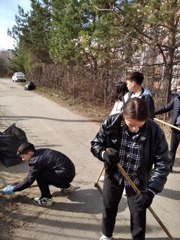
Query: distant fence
(98,85)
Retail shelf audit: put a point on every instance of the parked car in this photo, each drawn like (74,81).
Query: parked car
(19,77)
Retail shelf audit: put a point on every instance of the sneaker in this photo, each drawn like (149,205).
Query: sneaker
(102,178)
(103,237)
(69,189)
(43,201)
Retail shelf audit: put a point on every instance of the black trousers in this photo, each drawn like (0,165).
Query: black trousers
(175,139)
(55,178)
(112,194)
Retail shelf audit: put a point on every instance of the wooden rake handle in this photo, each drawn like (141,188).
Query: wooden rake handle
(100,173)
(168,124)
(128,179)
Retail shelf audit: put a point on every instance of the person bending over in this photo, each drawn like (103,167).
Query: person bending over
(47,167)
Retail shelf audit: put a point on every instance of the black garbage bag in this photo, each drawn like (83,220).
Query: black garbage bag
(30,86)
(10,140)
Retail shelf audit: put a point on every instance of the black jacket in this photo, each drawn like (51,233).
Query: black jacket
(153,147)
(46,160)
(174,105)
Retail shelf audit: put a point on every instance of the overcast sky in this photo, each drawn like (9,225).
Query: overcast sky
(8,9)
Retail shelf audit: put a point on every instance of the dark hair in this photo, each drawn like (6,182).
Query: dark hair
(121,90)
(137,77)
(136,108)
(25,148)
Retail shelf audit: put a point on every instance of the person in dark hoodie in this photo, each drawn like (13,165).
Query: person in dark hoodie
(47,167)
(139,145)
(134,83)
(174,106)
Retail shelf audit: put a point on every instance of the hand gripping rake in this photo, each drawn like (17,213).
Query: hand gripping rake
(128,179)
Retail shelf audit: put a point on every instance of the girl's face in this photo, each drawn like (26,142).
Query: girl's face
(26,156)
(133,125)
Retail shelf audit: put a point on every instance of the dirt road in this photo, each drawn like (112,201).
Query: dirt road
(75,216)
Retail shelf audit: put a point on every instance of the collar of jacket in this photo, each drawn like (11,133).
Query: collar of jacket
(113,123)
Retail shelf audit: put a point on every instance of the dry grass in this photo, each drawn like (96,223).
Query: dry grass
(94,111)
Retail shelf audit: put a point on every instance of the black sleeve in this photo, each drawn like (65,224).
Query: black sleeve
(32,176)
(162,163)
(98,144)
(166,108)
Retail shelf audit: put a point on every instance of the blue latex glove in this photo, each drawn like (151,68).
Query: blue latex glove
(8,190)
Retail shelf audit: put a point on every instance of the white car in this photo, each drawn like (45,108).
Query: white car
(19,77)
